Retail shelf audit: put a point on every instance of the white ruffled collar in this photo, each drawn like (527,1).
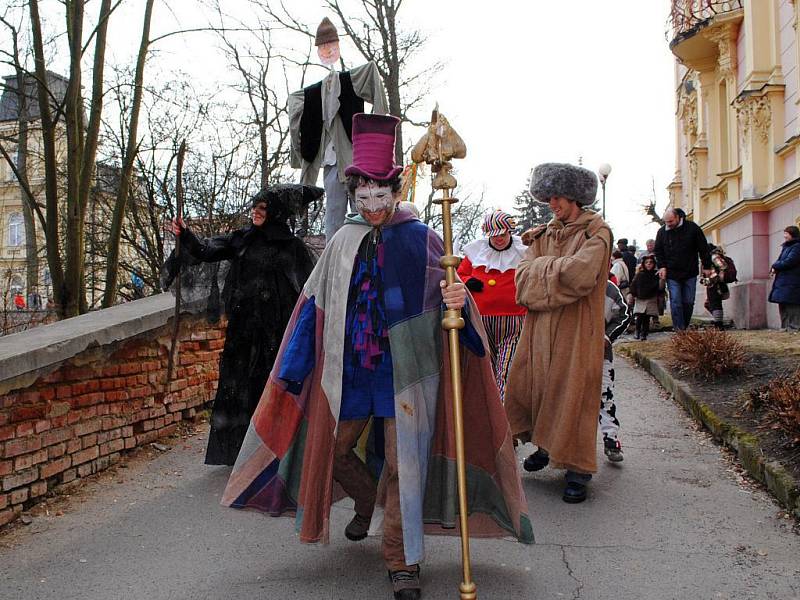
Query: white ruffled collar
(481,254)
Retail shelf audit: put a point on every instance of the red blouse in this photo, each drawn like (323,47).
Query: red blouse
(498,296)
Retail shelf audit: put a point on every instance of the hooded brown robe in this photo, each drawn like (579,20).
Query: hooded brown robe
(554,384)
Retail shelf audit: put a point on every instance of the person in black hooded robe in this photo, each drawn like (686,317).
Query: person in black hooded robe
(269,266)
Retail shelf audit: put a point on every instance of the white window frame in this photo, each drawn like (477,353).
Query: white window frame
(16,230)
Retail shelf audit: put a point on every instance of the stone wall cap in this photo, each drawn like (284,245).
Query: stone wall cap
(52,344)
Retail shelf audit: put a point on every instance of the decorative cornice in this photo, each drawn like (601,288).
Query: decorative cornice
(754,117)
(788,146)
(770,201)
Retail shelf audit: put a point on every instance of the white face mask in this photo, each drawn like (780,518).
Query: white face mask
(374,197)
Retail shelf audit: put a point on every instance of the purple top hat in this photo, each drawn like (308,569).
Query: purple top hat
(373,147)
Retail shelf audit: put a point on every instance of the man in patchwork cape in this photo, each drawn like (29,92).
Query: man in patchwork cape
(364,356)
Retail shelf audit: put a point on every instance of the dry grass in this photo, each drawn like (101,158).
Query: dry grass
(707,353)
(780,399)
(769,341)
(755,341)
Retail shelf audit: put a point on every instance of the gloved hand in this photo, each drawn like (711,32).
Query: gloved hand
(474,285)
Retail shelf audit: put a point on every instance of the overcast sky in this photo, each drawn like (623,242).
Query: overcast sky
(525,82)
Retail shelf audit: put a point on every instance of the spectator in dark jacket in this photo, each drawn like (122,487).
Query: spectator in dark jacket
(786,288)
(679,244)
(628,255)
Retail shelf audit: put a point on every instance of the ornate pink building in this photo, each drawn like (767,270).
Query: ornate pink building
(737,129)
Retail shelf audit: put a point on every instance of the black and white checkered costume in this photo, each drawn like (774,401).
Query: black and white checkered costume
(617,318)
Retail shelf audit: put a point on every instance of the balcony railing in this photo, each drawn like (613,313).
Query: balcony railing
(687,15)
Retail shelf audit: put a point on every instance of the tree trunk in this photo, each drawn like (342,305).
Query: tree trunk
(50,164)
(393,62)
(31,245)
(395,109)
(23,117)
(112,266)
(73,283)
(262,129)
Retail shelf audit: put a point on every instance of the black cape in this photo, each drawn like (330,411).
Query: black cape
(269,266)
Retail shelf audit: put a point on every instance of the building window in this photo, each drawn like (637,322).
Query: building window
(16,230)
(6,171)
(16,286)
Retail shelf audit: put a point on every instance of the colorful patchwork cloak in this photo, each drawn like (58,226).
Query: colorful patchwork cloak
(286,462)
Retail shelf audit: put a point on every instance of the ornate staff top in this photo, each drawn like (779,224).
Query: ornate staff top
(437,147)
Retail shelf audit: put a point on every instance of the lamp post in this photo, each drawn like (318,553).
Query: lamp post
(603,171)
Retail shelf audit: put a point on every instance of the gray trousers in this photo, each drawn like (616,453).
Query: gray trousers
(790,316)
(336,201)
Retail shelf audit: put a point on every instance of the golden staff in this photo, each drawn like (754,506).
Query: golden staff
(436,148)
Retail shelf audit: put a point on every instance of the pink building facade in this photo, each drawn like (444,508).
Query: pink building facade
(737,136)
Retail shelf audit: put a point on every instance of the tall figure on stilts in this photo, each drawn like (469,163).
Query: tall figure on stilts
(320,123)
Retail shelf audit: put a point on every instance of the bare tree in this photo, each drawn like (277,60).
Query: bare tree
(128,162)
(263,83)
(466,216)
(649,207)
(82,141)
(20,91)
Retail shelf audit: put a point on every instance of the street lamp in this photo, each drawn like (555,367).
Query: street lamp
(603,171)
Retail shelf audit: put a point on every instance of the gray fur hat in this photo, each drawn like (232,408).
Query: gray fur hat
(562,179)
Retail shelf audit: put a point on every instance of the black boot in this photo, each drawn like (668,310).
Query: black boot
(645,327)
(575,491)
(536,461)
(406,585)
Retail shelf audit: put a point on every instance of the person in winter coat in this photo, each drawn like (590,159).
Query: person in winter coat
(488,269)
(716,288)
(551,395)
(620,270)
(617,318)
(786,287)
(679,244)
(645,289)
(269,266)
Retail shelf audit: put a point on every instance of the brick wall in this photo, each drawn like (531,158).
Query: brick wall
(78,416)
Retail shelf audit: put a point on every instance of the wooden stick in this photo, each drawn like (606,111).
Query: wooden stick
(178,216)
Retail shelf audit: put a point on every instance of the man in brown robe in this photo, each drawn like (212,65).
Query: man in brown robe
(556,374)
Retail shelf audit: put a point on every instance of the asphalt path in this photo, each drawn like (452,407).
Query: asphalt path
(676,519)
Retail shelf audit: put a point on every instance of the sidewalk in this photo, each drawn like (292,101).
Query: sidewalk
(675,520)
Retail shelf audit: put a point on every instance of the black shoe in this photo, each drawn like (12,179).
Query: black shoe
(357,528)
(613,450)
(637,336)
(574,492)
(536,461)
(405,584)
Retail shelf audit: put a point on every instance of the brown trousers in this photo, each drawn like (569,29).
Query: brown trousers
(354,477)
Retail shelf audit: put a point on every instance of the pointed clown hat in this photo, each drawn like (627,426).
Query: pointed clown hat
(498,223)
(373,147)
